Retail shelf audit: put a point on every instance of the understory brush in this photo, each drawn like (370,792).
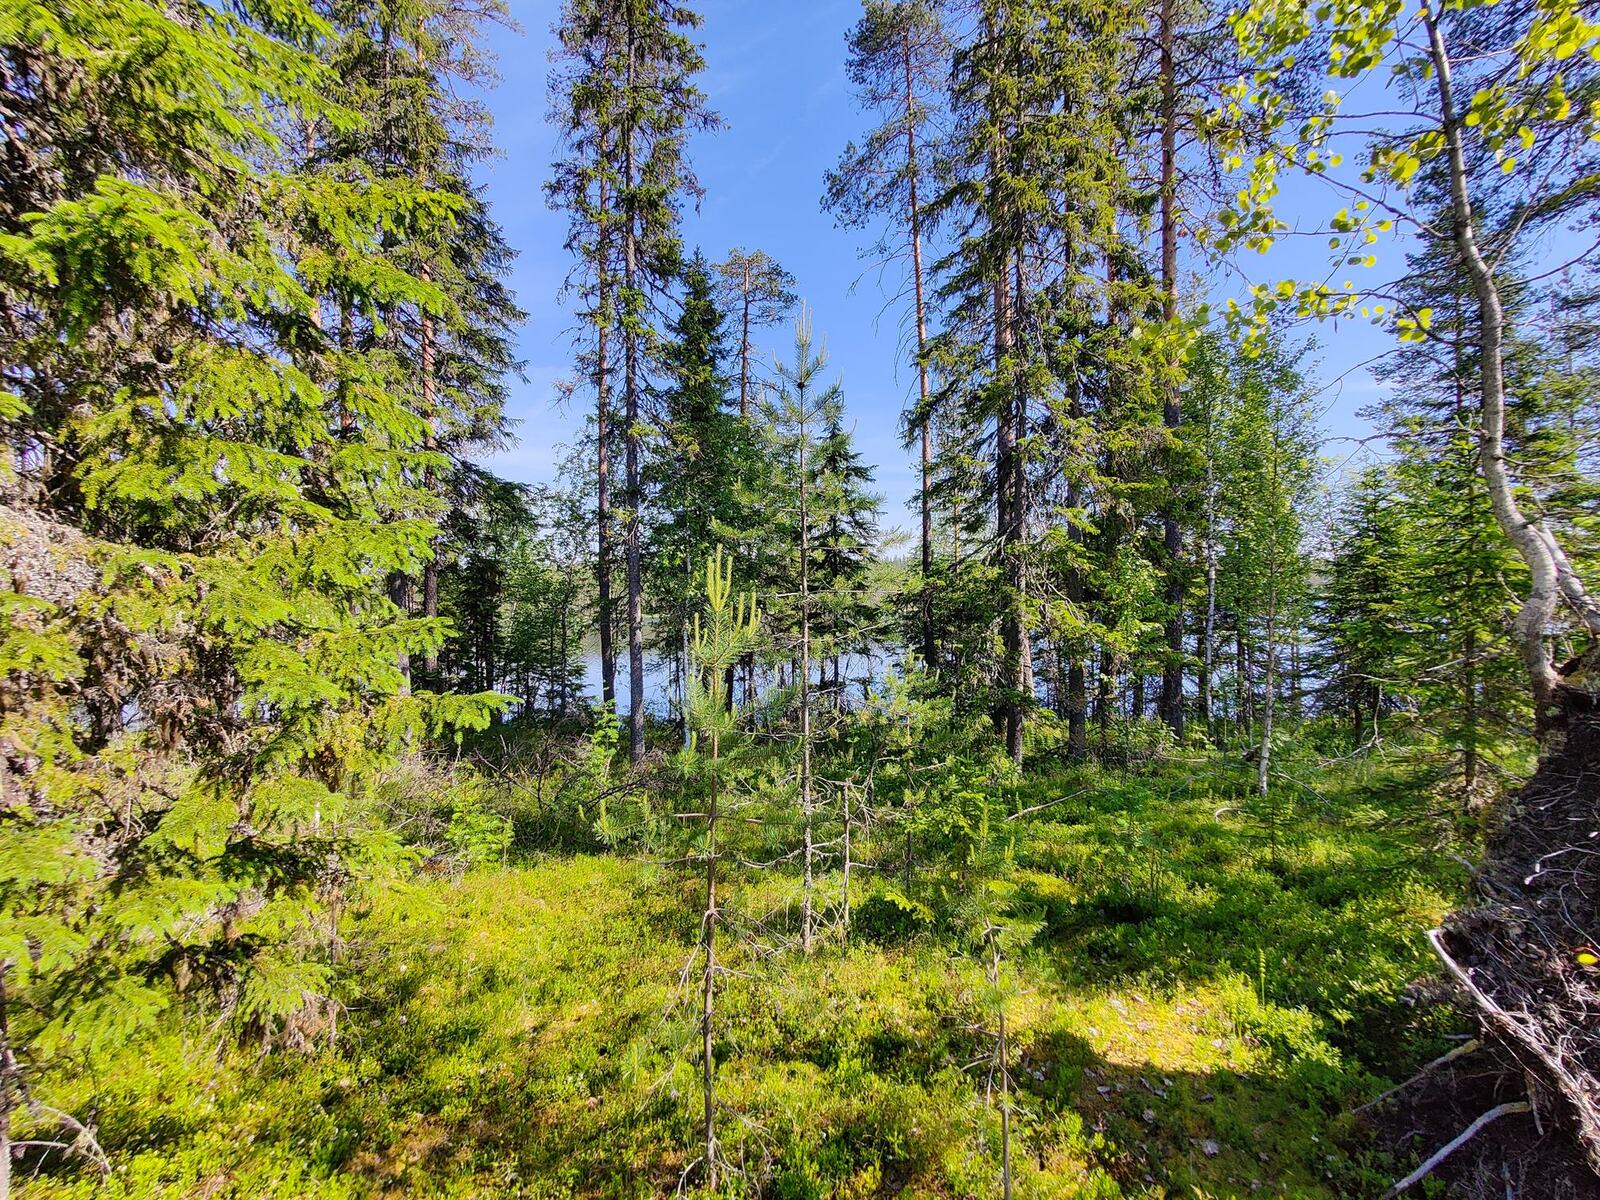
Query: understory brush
(1202,1000)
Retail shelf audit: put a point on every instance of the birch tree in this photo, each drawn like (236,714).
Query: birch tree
(1495,99)
(1503,130)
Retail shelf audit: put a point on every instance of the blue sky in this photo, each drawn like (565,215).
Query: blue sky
(775,73)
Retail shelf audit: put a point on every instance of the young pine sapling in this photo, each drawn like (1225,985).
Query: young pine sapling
(730,629)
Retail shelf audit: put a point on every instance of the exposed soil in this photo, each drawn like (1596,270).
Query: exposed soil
(1525,962)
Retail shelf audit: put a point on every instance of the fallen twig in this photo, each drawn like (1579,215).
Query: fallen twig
(1028,812)
(1455,1143)
(1463,1049)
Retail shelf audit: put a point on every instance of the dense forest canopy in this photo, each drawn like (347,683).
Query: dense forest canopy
(733,808)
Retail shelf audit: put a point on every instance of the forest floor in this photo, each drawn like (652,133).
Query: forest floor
(1213,989)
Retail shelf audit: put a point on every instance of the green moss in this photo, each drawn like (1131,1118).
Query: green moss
(1200,1009)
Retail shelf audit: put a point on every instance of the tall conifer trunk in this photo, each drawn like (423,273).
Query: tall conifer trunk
(1019,513)
(1009,713)
(602,408)
(807,800)
(1172,411)
(630,367)
(427,355)
(744,345)
(430,414)
(1208,632)
(1006,524)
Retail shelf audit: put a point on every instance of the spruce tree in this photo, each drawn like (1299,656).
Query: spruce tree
(1267,468)
(845,514)
(1457,572)
(1039,186)
(792,413)
(405,66)
(584,184)
(1360,606)
(202,671)
(699,454)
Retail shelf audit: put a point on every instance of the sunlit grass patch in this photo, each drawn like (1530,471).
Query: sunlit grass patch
(1199,1008)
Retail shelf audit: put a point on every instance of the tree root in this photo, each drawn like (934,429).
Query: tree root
(1520,1033)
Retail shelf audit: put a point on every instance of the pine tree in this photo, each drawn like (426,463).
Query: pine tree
(1196,58)
(899,57)
(759,292)
(629,107)
(729,631)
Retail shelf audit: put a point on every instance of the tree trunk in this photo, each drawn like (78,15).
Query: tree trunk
(1007,519)
(1511,954)
(1077,671)
(602,389)
(1002,1059)
(10,1086)
(630,368)
(1296,698)
(400,597)
(1469,716)
(844,890)
(1077,710)
(1245,716)
(1102,699)
(929,648)
(807,916)
(1268,681)
(1005,524)
(1019,518)
(683,678)
(1208,643)
(744,347)
(1171,703)
(430,414)
(708,987)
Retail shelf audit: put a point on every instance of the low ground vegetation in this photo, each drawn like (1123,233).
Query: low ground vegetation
(1209,992)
